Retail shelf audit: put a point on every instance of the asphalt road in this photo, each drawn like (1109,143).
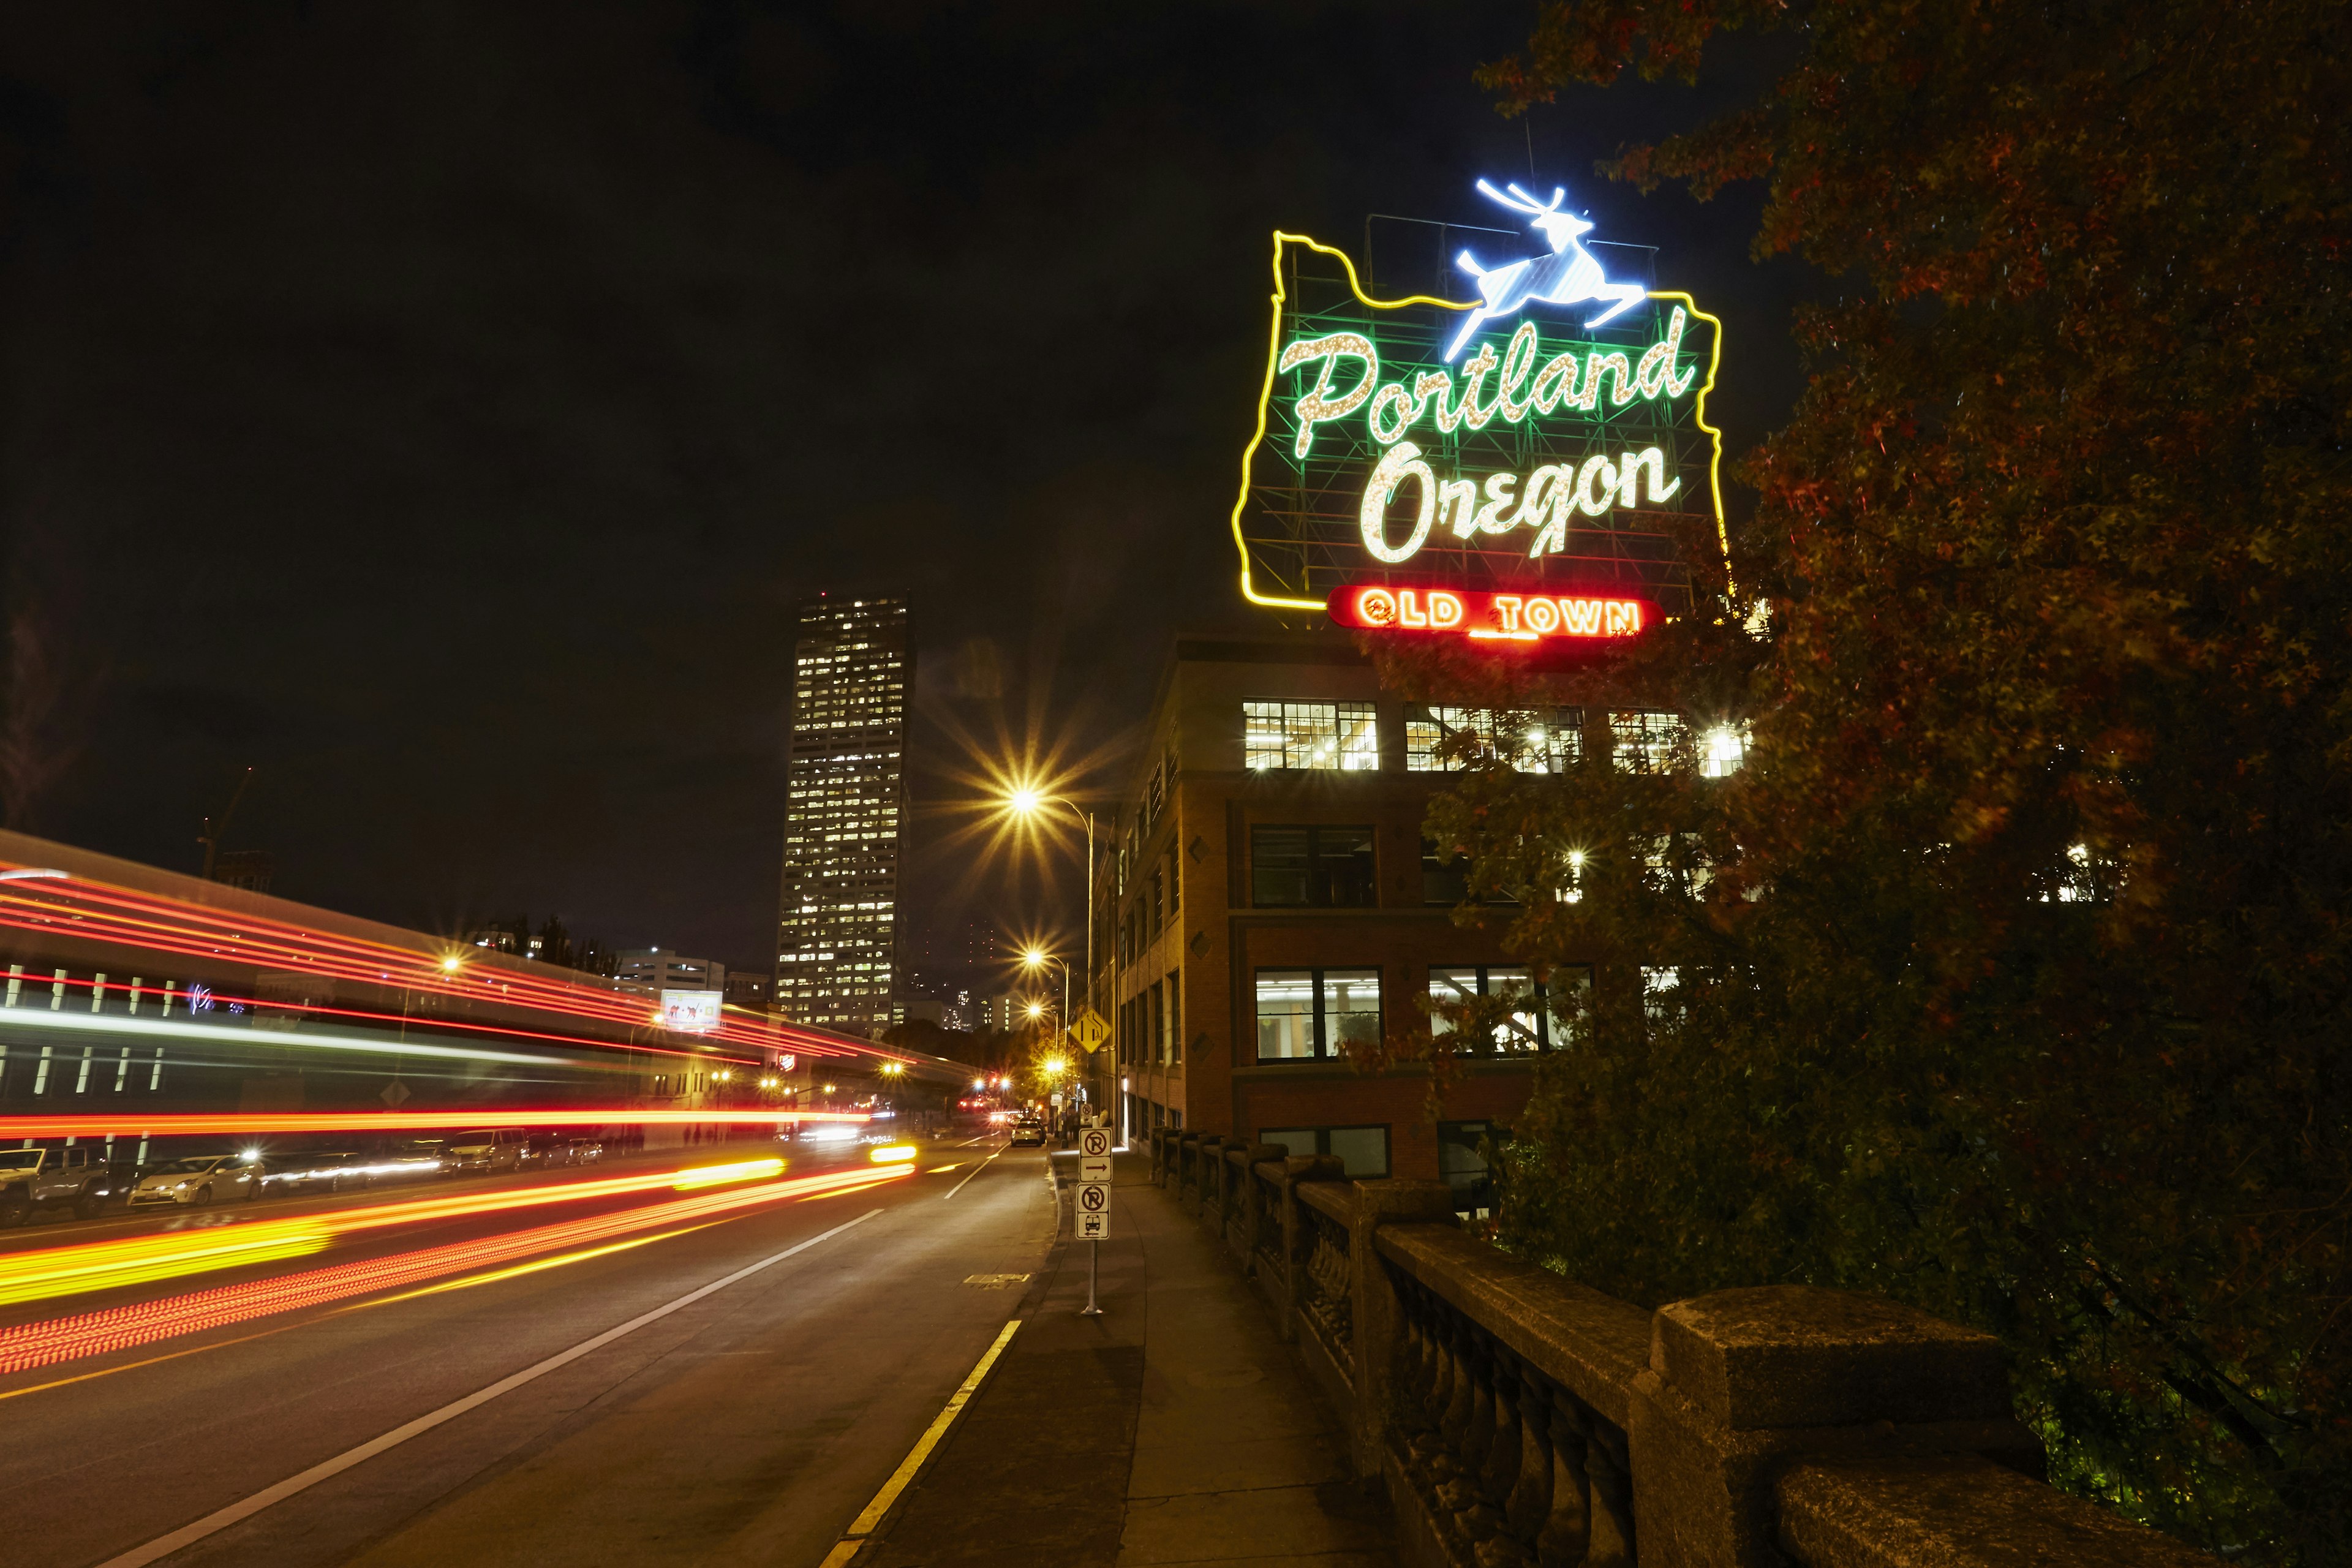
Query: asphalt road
(746,1425)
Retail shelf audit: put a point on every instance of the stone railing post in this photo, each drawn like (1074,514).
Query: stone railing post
(1740,1382)
(1211,1212)
(1297,1168)
(1256,1221)
(1188,1171)
(1379,1326)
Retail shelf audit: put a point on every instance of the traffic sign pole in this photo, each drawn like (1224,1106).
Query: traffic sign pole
(1093,1207)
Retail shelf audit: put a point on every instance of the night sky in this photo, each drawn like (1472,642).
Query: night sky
(442,407)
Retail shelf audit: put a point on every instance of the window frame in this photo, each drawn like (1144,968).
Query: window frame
(1353,735)
(1317,879)
(1541,1000)
(1562,727)
(1322,1136)
(1325,1049)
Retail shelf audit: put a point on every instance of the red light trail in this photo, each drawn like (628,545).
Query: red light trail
(102,912)
(119,1328)
(292,1122)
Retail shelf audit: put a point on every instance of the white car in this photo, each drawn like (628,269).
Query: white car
(205,1179)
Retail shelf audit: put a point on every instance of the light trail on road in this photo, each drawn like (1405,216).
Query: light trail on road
(76,1268)
(120,1328)
(259,1123)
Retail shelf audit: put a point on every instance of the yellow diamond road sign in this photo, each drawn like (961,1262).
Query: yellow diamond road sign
(1090,1031)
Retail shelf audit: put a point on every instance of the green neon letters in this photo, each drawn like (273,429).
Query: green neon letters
(1514,387)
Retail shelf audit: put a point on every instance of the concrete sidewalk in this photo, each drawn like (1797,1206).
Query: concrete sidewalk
(1175,1428)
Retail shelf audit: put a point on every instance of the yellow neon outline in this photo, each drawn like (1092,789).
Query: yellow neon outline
(1274,357)
(1714,437)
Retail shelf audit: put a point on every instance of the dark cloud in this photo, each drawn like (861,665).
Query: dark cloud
(442,407)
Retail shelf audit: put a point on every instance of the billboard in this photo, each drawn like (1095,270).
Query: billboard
(692,1010)
(1530,465)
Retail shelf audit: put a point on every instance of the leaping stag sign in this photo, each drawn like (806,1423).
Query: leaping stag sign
(1565,277)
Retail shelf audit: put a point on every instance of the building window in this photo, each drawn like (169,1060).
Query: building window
(1461,1165)
(1175,1021)
(1312,867)
(1722,750)
(1363,1152)
(1445,875)
(1661,987)
(1158,900)
(1307,1015)
(1533,740)
(1535,1023)
(1342,735)
(1647,743)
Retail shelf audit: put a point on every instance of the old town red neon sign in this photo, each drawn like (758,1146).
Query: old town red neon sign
(1477,613)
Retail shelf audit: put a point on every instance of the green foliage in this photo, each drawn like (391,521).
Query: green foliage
(2012,969)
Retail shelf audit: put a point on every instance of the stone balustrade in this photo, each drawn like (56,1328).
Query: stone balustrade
(1520,1420)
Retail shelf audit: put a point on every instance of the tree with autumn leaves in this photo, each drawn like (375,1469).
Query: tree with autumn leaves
(2011,975)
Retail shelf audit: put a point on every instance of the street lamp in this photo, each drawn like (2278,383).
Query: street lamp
(1028,801)
(1037,958)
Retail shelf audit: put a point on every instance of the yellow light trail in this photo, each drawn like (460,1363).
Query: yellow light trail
(38,1274)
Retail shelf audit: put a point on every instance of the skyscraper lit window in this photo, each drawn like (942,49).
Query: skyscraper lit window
(837,952)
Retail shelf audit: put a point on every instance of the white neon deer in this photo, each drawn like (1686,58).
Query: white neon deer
(1568,274)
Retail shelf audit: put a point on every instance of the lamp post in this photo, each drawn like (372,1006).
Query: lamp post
(1027,802)
(1037,958)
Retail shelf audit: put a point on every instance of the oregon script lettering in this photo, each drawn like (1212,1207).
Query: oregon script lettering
(1520,385)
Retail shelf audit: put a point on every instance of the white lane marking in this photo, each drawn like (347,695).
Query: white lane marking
(268,1497)
(976,1170)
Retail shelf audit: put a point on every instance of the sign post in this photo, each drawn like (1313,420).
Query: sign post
(1093,1207)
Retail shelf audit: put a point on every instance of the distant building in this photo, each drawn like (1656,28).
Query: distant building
(514,939)
(658,970)
(1001,1014)
(251,869)
(748,988)
(836,936)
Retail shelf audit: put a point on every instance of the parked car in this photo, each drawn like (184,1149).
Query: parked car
(52,1178)
(498,1148)
(586,1151)
(1028,1131)
(199,1179)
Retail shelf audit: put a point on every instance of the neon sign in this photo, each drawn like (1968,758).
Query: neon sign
(1565,458)
(1565,277)
(1483,615)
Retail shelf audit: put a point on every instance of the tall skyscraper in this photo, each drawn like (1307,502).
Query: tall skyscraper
(836,947)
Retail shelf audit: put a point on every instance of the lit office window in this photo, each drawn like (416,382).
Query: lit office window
(1309,1014)
(1535,740)
(1647,741)
(1542,1017)
(1285,1014)
(1722,750)
(1340,735)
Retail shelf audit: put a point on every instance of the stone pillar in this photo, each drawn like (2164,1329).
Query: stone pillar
(1739,1381)
(1211,1212)
(1188,1171)
(1297,1168)
(1256,1221)
(1378,1325)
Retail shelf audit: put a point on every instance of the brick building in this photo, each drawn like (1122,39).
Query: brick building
(1270,896)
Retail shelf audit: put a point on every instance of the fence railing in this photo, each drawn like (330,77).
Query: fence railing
(1520,1420)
